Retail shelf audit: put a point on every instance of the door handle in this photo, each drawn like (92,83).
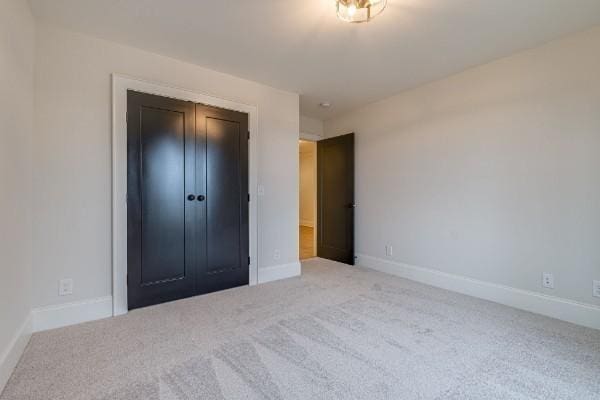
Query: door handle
(201,197)
(191,197)
(351,205)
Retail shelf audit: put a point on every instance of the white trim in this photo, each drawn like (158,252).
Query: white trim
(277,272)
(120,85)
(551,306)
(305,222)
(9,358)
(59,315)
(310,136)
(315,199)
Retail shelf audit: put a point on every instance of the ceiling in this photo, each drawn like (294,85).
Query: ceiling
(300,46)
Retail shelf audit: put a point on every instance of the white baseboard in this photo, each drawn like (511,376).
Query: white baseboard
(305,222)
(60,315)
(57,316)
(276,272)
(11,355)
(567,310)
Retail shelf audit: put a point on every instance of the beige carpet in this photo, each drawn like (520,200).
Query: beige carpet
(336,333)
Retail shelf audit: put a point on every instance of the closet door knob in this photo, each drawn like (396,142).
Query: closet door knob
(201,197)
(191,197)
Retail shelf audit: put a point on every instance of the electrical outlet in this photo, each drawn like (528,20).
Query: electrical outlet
(548,280)
(389,250)
(65,287)
(261,190)
(276,255)
(596,289)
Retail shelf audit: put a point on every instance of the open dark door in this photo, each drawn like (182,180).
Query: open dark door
(335,198)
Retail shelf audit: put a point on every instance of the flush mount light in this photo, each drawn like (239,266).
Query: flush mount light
(359,10)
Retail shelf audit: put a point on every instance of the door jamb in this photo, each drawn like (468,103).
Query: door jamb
(120,85)
(310,137)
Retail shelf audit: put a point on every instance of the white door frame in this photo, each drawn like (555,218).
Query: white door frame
(310,137)
(120,85)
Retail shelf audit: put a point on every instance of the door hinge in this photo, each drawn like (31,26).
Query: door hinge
(126,117)
(248,196)
(248,135)
(248,260)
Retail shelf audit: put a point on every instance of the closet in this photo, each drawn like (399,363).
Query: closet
(187,199)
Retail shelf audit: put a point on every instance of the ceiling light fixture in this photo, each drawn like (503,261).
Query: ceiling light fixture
(359,10)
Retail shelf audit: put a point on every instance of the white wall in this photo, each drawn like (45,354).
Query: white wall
(492,174)
(308,184)
(17,34)
(72,153)
(312,128)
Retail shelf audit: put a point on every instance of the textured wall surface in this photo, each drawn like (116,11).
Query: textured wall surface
(72,153)
(491,174)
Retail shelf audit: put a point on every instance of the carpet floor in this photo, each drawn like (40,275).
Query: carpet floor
(337,332)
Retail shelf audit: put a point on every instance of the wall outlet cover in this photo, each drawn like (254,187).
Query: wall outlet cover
(65,287)
(596,289)
(276,255)
(548,280)
(389,250)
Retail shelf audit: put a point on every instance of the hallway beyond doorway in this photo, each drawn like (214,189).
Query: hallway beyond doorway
(307,243)
(308,199)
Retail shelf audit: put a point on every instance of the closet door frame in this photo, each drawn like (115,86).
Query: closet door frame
(120,85)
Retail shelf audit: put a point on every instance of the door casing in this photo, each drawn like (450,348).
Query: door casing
(120,85)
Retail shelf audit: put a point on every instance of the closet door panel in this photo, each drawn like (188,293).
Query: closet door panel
(226,210)
(161,219)
(224,204)
(162,175)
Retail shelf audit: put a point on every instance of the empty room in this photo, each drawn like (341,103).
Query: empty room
(299,199)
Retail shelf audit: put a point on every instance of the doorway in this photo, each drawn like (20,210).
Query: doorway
(120,86)
(326,190)
(187,202)
(308,199)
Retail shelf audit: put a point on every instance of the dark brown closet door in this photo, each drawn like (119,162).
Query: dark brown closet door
(335,198)
(161,206)
(222,179)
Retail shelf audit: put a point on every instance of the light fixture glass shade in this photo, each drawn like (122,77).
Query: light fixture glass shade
(359,10)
